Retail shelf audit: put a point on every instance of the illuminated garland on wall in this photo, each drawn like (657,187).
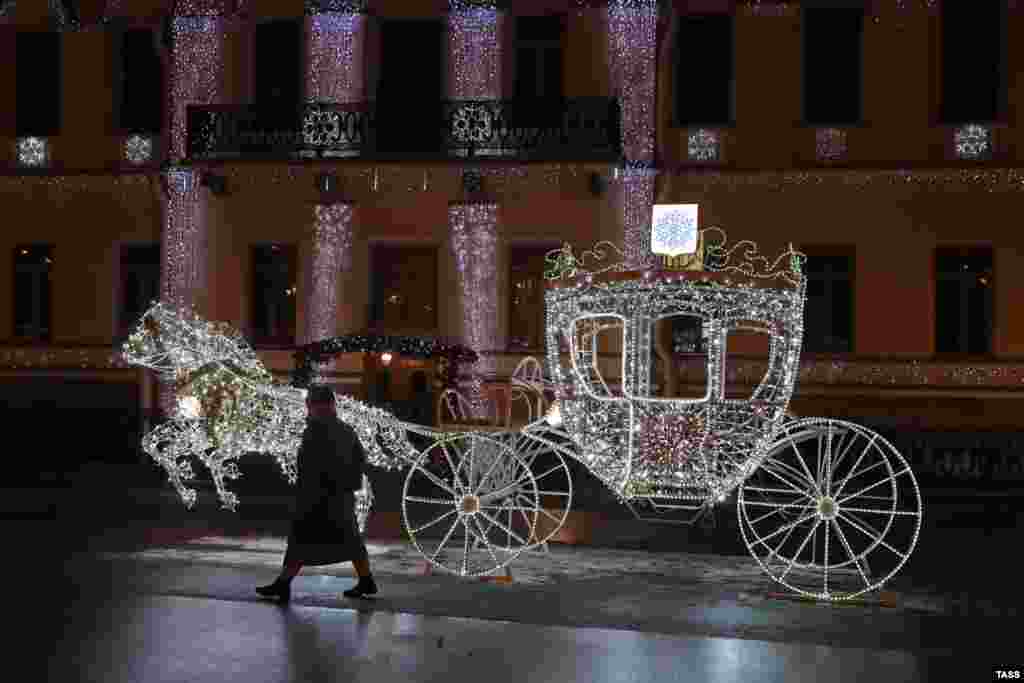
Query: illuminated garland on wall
(331,254)
(334,57)
(198,34)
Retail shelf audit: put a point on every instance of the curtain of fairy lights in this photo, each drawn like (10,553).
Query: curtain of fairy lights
(474,237)
(331,254)
(632,48)
(183,249)
(197,34)
(474,50)
(334,57)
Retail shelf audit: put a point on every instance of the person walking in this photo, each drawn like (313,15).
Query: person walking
(324,528)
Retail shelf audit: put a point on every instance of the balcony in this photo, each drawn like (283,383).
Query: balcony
(580,129)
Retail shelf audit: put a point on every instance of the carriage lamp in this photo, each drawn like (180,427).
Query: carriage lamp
(554,416)
(189,407)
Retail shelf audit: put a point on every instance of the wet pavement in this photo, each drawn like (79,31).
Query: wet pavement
(145,591)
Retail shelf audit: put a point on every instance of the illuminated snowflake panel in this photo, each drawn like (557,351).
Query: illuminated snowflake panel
(703,145)
(973,141)
(830,144)
(33,151)
(674,229)
(138,149)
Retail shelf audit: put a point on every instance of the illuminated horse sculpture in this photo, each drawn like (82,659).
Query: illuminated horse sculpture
(229,404)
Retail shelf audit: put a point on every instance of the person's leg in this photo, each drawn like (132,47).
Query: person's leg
(366,584)
(362,567)
(282,586)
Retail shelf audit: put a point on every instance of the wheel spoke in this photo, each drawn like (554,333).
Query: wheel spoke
(429,501)
(504,527)
(796,451)
(904,513)
(761,489)
(852,523)
(440,546)
(863,453)
(430,524)
(834,465)
(881,463)
(436,481)
(849,551)
(825,560)
(807,471)
(799,550)
(778,531)
(890,480)
(770,469)
(465,548)
(490,470)
(455,472)
(487,544)
(777,509)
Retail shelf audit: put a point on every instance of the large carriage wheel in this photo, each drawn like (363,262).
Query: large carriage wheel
(544,451)
(832,512)
(470,504)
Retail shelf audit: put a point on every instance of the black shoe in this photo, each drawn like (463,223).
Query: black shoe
(280,590)
(366,586)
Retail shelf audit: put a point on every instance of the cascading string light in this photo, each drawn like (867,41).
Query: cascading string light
(198,32)
(331,254)
(474,49)
(334,58)
(474,236)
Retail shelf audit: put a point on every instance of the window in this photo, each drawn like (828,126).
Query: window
(139,86)
(38,84)
(679,362)
(410,90)
(33,265)
(538,69)
(828,313)
(832,65)
(278,73)
(273,294)
(403,288)
(705,76)
(140,283)
(973,61)
(526,296)
(745,340)
(963,300)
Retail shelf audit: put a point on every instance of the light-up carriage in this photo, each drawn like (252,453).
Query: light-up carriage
(828,508)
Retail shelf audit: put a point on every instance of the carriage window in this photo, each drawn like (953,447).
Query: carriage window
(598,345)
(747,347)
(679,367)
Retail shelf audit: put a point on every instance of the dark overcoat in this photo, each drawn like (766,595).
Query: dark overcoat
(330,462)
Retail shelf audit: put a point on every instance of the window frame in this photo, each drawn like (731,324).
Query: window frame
(28,126)
(288,337)
(542,48)
(677,70)
(963,251)
(42,323)
(1002,114)
(526,247)
(820,5)
(375,316)
(120,29)
(848,251)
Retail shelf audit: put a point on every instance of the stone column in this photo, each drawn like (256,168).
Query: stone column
(473,230)
(330,254)
(632,48)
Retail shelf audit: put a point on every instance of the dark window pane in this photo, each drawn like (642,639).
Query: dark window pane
(526,72)
(38,77)
(832,40)
(526,295)
(979,319)
(273,297)
(410,89)
(704,70)
(973,73)
(948,311)
(140,90)
(404,288)
(552,73)
(539,28)
(278,70)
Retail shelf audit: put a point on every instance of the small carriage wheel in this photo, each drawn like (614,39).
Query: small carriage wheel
(832,511)
(470,504)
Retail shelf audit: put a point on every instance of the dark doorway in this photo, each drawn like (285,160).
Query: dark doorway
(411,88)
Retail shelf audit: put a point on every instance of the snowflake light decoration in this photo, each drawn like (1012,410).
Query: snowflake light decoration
(138,149)
(830,144)
(33,151)
(674,229)
(973,141)
(703,144)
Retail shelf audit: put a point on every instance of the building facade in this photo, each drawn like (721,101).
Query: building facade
(869,136)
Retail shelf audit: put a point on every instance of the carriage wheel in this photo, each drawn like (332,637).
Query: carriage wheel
(832,512)
(544,451)
(470,504)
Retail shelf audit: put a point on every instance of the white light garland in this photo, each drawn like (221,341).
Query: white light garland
(704,144)
(331,253)
(643,446)
(973,141)
(138,149)
(197,66)
(334,57)
(474,50)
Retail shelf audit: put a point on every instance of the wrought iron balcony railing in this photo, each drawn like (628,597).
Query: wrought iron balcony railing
(580,129)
